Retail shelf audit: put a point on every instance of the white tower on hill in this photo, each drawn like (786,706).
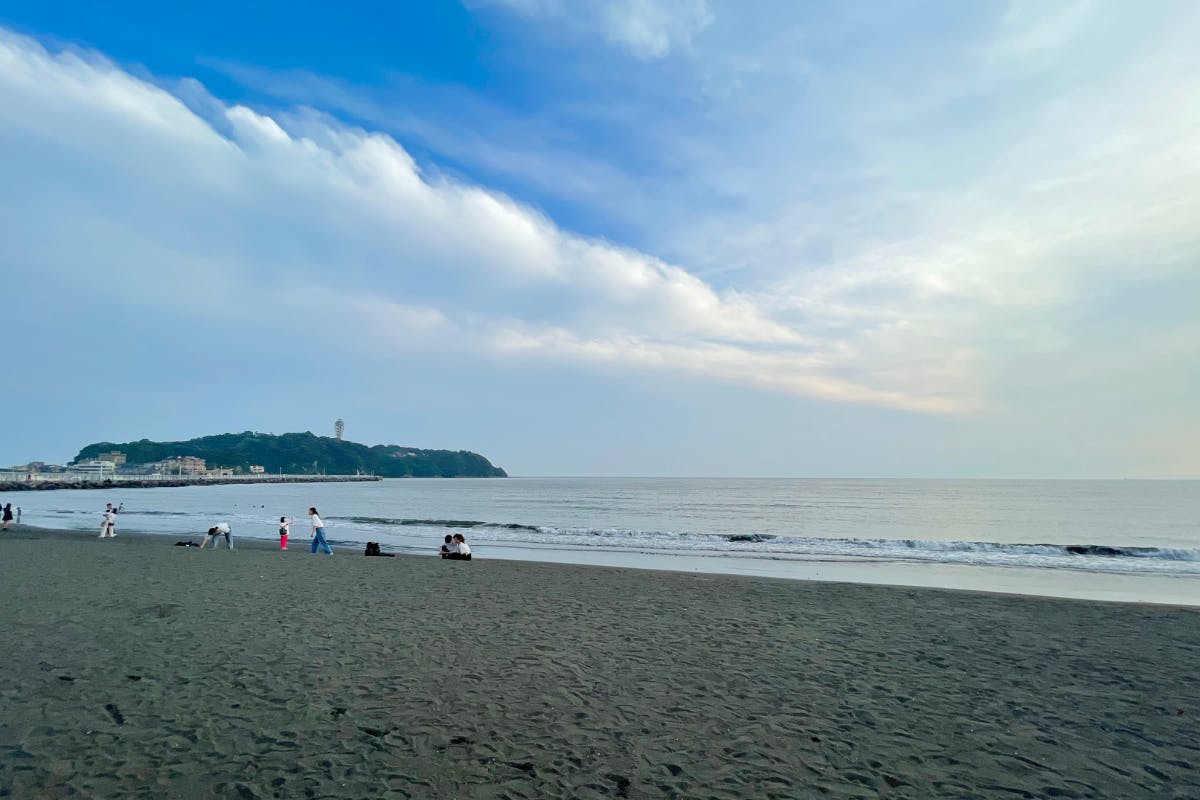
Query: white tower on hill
(339,428)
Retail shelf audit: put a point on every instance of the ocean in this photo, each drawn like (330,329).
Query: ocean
(1104,539)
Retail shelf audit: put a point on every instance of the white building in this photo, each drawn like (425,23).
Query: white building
(94,466)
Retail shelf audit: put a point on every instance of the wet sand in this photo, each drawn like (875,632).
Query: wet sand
(136,669)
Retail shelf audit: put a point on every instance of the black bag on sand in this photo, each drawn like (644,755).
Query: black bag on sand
(186,544)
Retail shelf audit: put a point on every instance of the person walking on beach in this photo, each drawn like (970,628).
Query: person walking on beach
(215,531)
(8,515)
(285,527)
(108,524)
(318,533)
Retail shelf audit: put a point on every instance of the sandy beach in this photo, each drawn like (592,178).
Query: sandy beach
(136,669)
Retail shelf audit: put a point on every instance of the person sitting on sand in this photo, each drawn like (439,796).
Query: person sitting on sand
(285,527)
(447,546)
(461,550)
(215,531)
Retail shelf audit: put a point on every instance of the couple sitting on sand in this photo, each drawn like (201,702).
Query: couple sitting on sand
(456,548)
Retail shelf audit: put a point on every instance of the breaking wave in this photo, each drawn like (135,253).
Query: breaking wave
(1096,557)
(440,523)
(415,534)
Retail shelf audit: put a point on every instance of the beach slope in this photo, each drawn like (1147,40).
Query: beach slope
(136,669)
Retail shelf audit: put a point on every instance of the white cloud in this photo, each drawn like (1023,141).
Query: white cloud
(996,218)
(771,371)
(648,29)
(333,235)
(997,236)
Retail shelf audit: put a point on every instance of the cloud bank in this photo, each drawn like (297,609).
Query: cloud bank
(217,212)
(987,218)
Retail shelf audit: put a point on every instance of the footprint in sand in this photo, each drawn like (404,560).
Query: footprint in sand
(115,713)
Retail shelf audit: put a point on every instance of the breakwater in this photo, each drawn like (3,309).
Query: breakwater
(10,482)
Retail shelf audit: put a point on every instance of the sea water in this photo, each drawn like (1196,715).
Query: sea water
(1103,539)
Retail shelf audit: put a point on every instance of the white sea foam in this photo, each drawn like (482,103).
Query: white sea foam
(1102,526)
(1104,558)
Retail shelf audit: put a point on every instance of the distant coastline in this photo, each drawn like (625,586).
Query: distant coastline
(291,454)
(249,457)
(50,483)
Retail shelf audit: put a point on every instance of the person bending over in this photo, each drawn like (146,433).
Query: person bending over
(460,551)
(221,528)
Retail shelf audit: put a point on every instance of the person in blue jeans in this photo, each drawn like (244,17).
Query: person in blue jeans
(318,532)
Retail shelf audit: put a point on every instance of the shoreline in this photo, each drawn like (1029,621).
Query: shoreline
(988,581)
(135,668)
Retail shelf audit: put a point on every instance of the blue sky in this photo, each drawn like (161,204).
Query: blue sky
(682,237)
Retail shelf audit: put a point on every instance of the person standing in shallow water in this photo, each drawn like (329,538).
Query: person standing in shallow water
(318,533)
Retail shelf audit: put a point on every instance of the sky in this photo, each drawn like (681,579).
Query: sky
(634,237)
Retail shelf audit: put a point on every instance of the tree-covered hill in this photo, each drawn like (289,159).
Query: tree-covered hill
(306,453)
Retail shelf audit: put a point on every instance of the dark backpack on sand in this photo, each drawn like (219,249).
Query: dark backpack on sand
(373,550)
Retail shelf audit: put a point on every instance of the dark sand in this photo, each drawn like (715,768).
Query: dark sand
(133,669)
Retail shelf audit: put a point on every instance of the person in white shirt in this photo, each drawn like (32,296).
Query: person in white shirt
(108,524)
(215,531)
(318,533)
(285,527)
(460,550)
